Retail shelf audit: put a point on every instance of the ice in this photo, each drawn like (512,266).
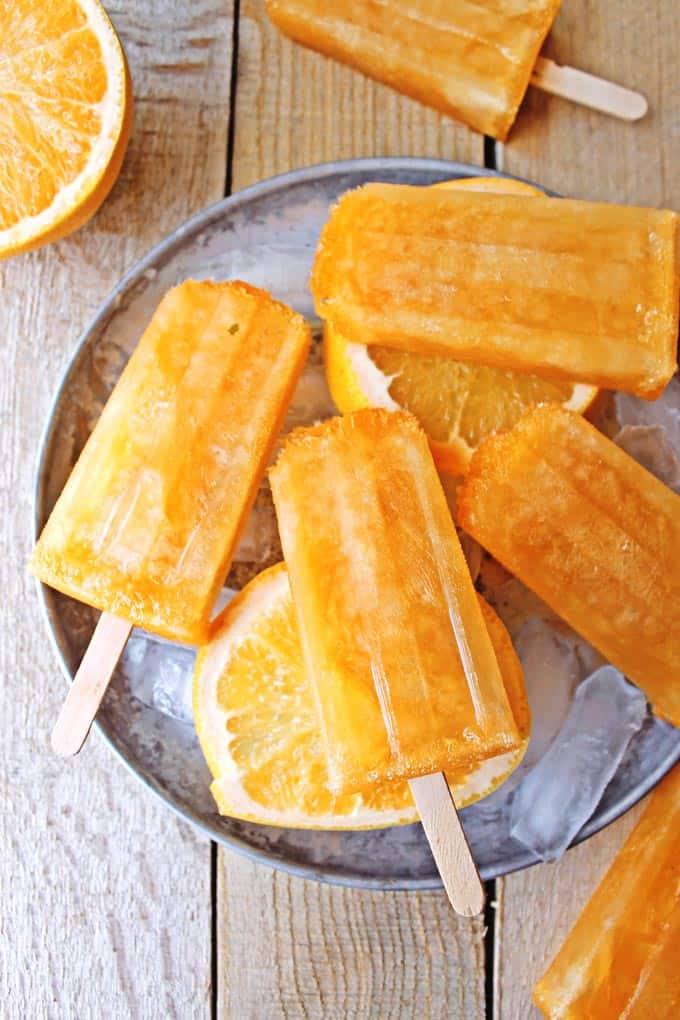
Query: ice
(559,795)
(554,660)
(664,412)
(648,430)
(223,599)
(551,674)
(511,599)
(159,674)
(650,446)
(311,401)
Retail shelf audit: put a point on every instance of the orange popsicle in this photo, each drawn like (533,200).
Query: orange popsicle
(592,533)
(470,60)
(575,291)
(621,957)
(148,521)
(395,646)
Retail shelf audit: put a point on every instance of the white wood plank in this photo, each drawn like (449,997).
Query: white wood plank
(105,896)
(292,948)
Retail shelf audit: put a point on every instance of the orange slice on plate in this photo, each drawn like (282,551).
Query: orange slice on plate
(457,403)
(257,724)
(65,115)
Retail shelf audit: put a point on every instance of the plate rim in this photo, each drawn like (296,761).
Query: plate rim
(319,872)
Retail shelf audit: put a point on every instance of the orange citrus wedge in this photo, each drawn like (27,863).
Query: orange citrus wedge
(457,403)
(65,114)
(257,724)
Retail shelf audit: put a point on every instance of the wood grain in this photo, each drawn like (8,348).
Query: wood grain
(587,155)
(289,948)
(105,896)
(296,108)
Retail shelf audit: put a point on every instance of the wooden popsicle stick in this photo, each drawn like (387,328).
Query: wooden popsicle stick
(89,684)
(448,843)
(588,90)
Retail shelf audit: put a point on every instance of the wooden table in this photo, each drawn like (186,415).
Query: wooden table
(110,907)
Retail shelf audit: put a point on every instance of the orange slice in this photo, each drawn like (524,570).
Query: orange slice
(457,403)
(65,114)
(257,724)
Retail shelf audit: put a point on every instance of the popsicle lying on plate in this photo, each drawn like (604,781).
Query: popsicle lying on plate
(405,676)
(591,532)
(579,291)
(473,61)
(621,957)
(148,521)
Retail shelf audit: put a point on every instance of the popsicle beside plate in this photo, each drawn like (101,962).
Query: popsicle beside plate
(470,60)
(621,957)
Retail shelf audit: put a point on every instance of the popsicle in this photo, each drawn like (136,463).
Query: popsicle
(621,957)
(405,677)
(576,291)
(148,521)
(592,533)
(472,61)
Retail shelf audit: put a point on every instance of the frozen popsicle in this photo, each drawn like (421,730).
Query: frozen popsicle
(472,61)
(576,291)
(621,957)
(591,532)
(148,521)
(405,677)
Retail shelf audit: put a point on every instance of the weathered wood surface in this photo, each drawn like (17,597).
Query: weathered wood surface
(586,155)
(106,899)
(105,896)
(290,948)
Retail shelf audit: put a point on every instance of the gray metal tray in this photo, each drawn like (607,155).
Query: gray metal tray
(266,235)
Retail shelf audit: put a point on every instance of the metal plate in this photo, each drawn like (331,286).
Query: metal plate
(265,235)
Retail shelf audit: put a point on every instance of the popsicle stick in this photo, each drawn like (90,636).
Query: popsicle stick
(89,684)
(448,843)
(588,90)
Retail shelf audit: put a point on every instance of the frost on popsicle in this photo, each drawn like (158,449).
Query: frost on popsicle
(147,523)
(405,676)
(562,791)
(592,533)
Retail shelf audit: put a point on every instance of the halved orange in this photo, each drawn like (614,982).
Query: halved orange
(65,115)
(257,724)
(457,403)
